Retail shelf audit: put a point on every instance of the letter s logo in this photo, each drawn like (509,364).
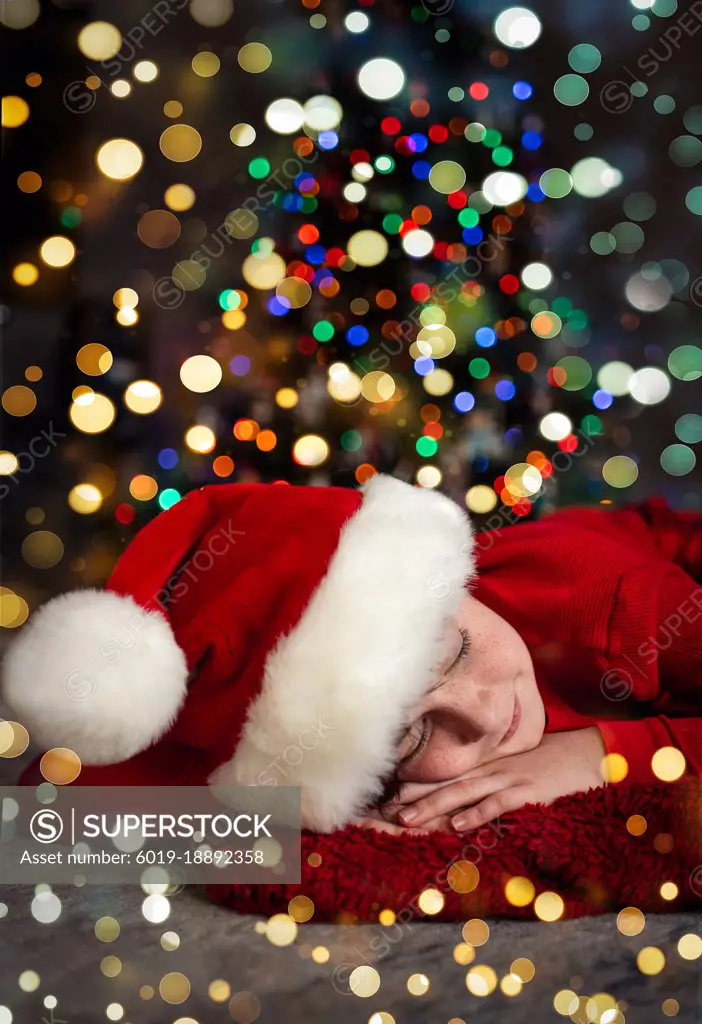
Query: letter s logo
(46,826)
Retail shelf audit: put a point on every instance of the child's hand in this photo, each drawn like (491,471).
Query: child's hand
(380,825)
(563,763)
(386,819)
(387,822)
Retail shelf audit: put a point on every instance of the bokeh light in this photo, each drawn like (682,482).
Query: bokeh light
(381,78)
(120,159)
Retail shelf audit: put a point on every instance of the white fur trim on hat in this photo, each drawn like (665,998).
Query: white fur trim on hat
(338,689)
(95,672)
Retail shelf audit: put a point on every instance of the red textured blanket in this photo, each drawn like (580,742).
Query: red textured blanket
(599,851)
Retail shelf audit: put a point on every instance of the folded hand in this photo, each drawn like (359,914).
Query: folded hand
(563,763)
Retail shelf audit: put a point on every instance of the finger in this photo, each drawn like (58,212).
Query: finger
(412,792)
(388,811)
(501,802)
(440,824)
(449,799)
(409,793)
(378,825)
(391,810)
(373,813)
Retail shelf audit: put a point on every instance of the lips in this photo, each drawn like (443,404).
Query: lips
(516,721)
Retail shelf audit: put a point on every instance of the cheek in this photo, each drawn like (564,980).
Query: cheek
(500,650)
(496,664)
(444,758)
(505,655)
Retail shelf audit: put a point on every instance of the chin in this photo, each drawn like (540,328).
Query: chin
(531,728)
(534,728)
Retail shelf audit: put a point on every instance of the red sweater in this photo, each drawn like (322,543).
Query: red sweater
(609,603)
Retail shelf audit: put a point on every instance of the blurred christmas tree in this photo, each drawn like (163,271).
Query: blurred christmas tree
(312,242)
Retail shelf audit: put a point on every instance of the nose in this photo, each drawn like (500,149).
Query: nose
(464,734)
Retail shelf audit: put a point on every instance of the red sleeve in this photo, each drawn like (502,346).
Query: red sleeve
(677,535)
(675,648)
(675,645)
(668,657)
(638,741)
(649,526)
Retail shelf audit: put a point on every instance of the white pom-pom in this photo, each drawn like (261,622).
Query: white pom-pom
(95,672)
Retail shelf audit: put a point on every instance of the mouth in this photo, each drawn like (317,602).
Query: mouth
(516,721)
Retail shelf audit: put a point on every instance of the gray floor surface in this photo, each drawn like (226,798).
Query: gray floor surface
(587,956)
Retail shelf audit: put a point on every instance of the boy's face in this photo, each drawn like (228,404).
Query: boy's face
(484,704)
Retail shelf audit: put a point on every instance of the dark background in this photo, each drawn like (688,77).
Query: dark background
(46,324)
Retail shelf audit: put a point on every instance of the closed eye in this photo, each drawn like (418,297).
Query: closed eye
(421,730)
(465,648)
(460,657)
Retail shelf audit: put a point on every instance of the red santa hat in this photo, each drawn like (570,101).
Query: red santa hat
(260,634)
